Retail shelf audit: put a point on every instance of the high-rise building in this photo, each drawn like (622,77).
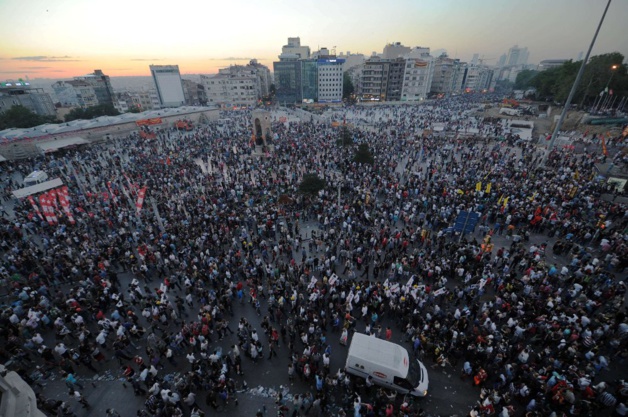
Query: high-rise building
(502,61)
(287,73)
(309,80)
(517,56)
(101,85)
(374,80)
(329,69)
(238,85)
(75,93)
(167,79)
(448,75)
(418,74)
(294,48)
(194,93)
(20,93)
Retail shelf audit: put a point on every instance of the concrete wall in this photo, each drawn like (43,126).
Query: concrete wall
(27,149)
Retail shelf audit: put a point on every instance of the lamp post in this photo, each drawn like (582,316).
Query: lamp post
(573,88)
(597,104)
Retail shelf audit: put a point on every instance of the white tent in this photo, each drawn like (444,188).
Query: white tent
(37,188)
(53,145)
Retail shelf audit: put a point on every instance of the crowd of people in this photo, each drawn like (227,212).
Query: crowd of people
(534,324)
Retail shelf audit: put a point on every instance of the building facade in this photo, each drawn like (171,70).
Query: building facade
(418,75)
(329,79)
(101,85)
(374,80)
(229,89)
(294,48)
(75,93)
(194,93)
(20,93)
(287,73)
(168,84)
(448,76)
(309,80)
(395,50)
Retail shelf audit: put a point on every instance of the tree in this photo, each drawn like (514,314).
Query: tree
(135,109)
(345,136)
(524,79)
(347,87)
(92,112)
(21,117)
(600,72)
(311,184)
(363,155)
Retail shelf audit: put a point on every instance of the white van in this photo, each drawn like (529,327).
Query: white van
(35,177)
(388,363)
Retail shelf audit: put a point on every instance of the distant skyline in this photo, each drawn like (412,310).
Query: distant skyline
(63,39)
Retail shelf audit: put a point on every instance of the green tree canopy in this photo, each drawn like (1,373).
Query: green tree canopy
(347,86)
(92,112)
(524,79)
(601,71)
(311,184)
(21,117)
(363,155)
(345,138)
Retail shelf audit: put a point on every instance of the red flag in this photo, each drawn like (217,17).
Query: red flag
(548,137)
(604,150)
(64,201)
(35,206)
(140,199)
(168,162)
(46,207)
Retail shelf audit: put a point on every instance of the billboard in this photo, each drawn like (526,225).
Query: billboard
(148,122)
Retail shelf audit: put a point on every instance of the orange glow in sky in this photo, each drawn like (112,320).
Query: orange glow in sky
(66,38)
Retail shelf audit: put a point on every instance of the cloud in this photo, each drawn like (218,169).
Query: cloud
(148,59)
(44,58)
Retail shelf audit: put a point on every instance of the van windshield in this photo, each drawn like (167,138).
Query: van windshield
(415,373)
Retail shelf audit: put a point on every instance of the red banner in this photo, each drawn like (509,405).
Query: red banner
(148,122)
(140,199)
(64,201)
(46,206)
(35,206)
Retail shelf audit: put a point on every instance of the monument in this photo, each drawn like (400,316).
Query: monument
(262,134)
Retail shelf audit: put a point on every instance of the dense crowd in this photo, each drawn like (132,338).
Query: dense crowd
(223,223)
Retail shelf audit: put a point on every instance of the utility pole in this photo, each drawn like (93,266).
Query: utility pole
(573,88)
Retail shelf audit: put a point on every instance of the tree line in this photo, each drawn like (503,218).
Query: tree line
(22,117)
(601,72)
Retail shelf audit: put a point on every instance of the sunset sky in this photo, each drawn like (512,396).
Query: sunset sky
(66,38)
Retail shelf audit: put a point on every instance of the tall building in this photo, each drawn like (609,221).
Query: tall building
(101,85)
(329,77)
(309,80)
(294,48)
(20,93)
(194,93)
(374,80)
(287,73)
(238,85)
(75,93)
(517,56)
(167,79)
(395,50)
(448,75)
(502,60)
(418,74)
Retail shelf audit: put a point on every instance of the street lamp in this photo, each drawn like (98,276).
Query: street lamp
(599,104)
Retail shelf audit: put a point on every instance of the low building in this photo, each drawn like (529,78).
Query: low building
(21,93)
